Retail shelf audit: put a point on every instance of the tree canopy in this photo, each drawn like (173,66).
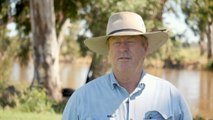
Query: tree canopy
(199,16)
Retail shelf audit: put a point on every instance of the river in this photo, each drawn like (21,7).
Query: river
(196,86)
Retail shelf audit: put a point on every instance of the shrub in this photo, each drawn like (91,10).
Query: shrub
(9,97)
(197,117)
(210,65)
(59,107)
(29,100)
(35,100)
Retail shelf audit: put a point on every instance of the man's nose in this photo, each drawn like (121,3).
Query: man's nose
(123,46)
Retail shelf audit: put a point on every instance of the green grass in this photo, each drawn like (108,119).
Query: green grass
(17,115)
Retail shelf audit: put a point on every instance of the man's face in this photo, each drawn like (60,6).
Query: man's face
(127,53)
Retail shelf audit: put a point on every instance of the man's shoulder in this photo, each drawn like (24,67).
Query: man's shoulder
(160,83)
(153,78)
(157,80)
(94,84)
(99,80)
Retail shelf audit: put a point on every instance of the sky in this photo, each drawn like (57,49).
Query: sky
(12,29)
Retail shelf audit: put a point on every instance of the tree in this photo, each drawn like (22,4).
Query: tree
(199,18)
(45,46)
(48,36)
(49,19)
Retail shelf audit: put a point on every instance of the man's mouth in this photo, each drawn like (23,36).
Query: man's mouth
(124,58)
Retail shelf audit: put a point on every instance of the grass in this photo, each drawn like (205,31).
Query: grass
(17,115)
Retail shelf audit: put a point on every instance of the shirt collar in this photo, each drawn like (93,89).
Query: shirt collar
(114,83)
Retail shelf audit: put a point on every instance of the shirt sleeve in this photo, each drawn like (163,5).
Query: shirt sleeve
(181,106)
(71,111)
(185,109)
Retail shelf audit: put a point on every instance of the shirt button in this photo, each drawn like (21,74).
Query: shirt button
(130,119)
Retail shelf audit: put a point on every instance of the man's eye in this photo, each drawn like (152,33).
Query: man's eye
(116,43)
(130,42)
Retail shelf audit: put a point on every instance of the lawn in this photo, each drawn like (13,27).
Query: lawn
(12,115)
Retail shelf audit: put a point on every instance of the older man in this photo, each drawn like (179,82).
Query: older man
(128,92)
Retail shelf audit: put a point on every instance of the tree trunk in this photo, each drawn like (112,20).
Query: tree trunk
(46,48)
(202,45)
(209,43)
(211,36)
(90,75)
(98,67)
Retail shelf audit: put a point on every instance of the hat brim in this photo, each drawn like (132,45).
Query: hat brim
(155,39)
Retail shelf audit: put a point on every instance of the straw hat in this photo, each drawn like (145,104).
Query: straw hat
(124,24)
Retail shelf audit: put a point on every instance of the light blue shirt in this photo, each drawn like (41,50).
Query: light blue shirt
(104,99)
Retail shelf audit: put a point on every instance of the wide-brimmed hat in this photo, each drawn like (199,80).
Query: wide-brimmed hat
(125,24)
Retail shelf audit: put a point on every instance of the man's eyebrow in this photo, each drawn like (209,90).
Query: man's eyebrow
(130,38)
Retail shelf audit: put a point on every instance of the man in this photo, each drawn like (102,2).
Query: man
(128,93)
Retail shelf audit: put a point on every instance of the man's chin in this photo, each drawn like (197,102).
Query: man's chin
(125,70)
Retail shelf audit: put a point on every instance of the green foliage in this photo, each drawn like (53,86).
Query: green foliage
(3,12)
(96,16)
(35,100)
(9,97)
(198,13)
(198,118)
(199,16)
(22,18)
(8,51)
(30,100)
(25,51)
(83,48)
(210,65)
(70,46)
(59,107)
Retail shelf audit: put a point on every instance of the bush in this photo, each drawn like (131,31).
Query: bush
(197,117)
(210,65)
(9,97)
(35,100)
(59,107)
(30,100)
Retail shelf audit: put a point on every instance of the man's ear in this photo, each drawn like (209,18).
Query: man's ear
(146,47)
(108,58)
(108,55)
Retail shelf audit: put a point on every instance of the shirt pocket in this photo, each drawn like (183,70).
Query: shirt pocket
(156,115)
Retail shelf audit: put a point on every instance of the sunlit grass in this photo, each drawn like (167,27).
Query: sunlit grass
(17,115)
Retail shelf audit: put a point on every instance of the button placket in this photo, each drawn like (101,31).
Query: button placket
(127,108)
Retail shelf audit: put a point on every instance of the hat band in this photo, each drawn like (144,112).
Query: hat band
(121,30)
